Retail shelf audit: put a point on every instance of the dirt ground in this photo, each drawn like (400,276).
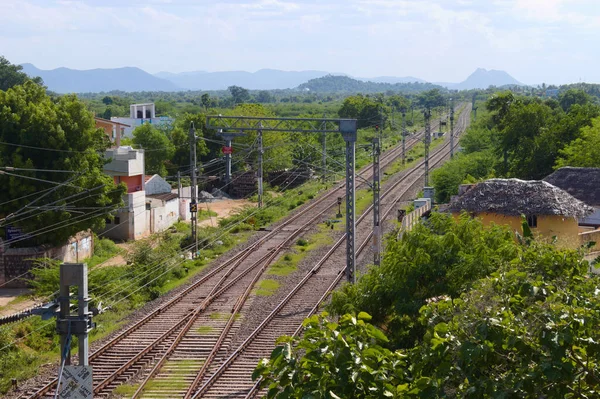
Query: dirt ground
(223,208)
(10,303)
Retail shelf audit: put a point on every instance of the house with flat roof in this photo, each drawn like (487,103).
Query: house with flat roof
(140,114)
(113,129)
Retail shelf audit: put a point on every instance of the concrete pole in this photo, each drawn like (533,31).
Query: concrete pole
(260,167)
(427,116)
(403,138)
(376,203)
(194,190)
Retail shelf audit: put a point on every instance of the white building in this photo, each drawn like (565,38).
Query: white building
(162,206)
(140,114)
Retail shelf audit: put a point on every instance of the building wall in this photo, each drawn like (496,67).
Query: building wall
(135,122)
(134,183)
(130,221)
(17,261)
(593,219)
(565,229)
(157,185)
(124,161)
(590,236)
(162,215)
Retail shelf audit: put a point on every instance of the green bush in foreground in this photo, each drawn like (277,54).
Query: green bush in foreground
(529,330)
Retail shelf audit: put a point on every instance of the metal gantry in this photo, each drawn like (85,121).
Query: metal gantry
(346,127)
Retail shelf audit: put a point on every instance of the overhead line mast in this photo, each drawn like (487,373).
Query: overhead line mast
(347,128)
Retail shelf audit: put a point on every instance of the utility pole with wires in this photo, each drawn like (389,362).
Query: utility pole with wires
(324,154)
(346,127)
(194,190)
(376,203)
(228,150)
(427,116)
(403,137)
(179,184)
(260,166)
(451,129)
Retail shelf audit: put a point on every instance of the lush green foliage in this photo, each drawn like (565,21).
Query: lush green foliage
(158,149)
(11,75)
(347,359)
(526,328)
(440,257)
(53,134)
(345,84)
(583,151)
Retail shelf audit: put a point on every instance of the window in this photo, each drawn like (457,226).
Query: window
(117,220)
(532,221)
(108,221)
(148,206)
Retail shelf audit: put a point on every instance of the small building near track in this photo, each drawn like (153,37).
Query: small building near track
(550,211)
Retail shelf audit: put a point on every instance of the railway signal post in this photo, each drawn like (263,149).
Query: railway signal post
(260,167)
(346,127)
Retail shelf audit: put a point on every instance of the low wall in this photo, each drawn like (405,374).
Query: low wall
(15,263)
(589,236)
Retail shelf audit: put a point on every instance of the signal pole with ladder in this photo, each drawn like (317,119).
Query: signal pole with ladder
(403,137)
(260,167)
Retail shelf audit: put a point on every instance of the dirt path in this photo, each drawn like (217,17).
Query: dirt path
(223,208)
(12,302)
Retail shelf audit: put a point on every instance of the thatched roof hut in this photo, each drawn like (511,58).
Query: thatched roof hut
(581,183)
(514,197)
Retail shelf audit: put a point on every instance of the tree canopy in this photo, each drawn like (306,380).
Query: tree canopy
(522,326)
(11,75)
(158,149)
(46,135)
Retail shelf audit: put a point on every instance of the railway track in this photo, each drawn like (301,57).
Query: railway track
(200,321)
(231,379)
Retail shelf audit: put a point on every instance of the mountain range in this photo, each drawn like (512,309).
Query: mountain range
(128,79)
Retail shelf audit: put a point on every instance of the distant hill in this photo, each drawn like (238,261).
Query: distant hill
(394,79)
(264,79)
(65,80)
(482,79)
(345,84)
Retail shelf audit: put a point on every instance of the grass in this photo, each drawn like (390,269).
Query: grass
(177,371)
(126,390)
(267,287)
(223,316)
(205,330)
(289,262)
(104,249)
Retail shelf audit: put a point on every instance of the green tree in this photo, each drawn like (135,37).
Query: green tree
(583,152)
(347,359)
(205,99)
(239,94)
(158,149)
(53,134)
(441,257)
(11,75)
(264,97)
(431,99)
(572,97)
(364,108)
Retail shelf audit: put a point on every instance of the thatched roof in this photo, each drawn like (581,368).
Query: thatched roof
(581,183)
(515,197)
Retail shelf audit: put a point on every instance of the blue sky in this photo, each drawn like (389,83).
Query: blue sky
(552,41)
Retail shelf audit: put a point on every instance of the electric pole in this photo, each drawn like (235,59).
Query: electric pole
(403,137)
(260,166)
(427,115)
(179,184)
(324,155)
(228,150)
(376,203)
(194,191)
(451,129)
